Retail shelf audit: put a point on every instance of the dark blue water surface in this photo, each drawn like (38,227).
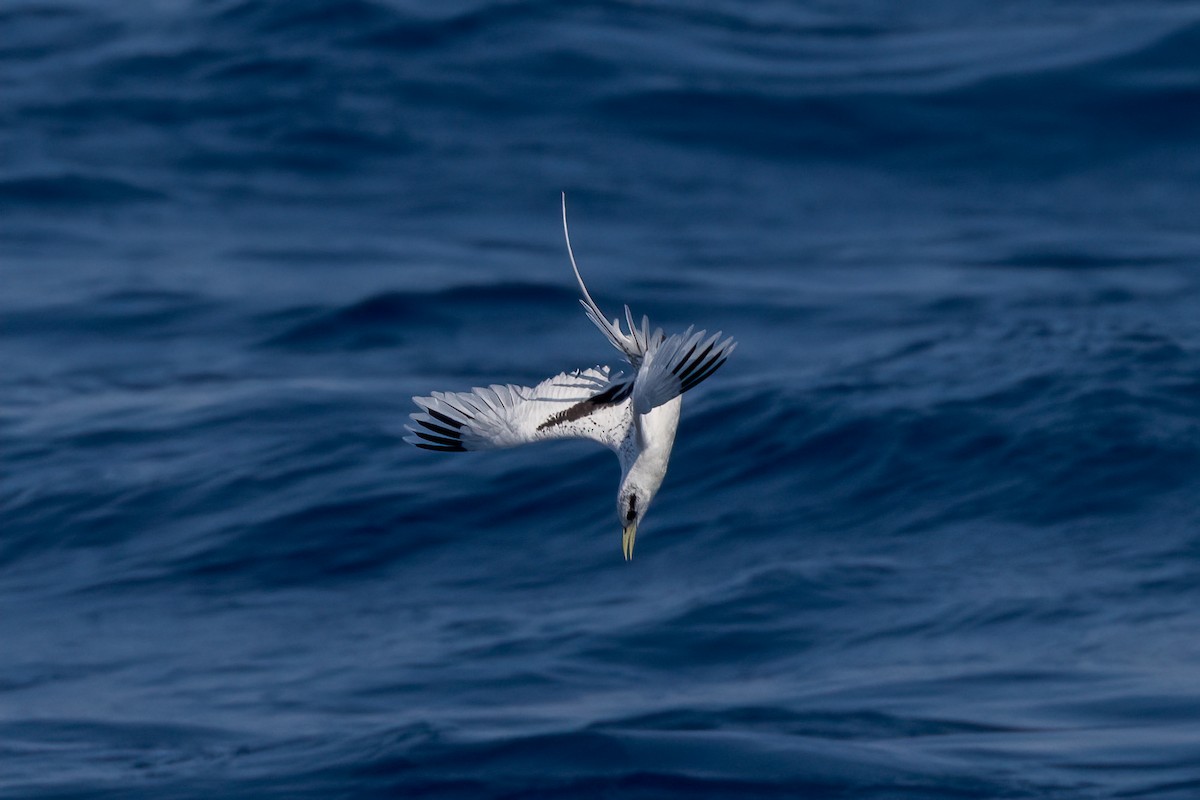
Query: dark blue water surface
(933,531)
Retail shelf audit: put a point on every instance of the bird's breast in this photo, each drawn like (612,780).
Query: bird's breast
(657,429)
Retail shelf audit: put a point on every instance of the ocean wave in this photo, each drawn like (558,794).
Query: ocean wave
(931,532)
(72,190)
(1044,450)
(389,318)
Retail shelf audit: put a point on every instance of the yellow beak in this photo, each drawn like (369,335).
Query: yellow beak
(627,541)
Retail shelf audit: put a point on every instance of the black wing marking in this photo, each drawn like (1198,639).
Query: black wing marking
(439,438)
(691,370)
(613,394)
(584,404)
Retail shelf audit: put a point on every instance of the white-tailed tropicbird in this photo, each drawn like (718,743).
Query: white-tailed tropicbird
(636,416)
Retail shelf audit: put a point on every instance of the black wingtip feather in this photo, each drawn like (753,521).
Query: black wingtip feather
(683,376)
(440,417)
(442,440)
(439,449)
(682,361)
(703,376)
(699,369)
(452,432)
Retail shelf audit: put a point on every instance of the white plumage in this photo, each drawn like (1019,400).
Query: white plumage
(635,416)
(506,416)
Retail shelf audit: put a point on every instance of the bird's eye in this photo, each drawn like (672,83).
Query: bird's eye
(632,511)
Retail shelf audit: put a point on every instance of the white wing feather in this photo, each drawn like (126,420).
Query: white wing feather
(588,404)
(675,365)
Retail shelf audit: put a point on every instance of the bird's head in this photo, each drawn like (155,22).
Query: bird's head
(632,502)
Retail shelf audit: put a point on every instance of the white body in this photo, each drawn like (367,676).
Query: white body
(645,458)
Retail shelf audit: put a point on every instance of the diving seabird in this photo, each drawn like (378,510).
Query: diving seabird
(635,416)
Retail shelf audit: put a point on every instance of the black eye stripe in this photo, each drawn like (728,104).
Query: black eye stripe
(632,512)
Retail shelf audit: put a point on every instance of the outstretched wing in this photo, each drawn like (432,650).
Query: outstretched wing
(677,364)
(586,404)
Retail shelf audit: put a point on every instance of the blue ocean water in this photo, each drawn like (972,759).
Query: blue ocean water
(932,532)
